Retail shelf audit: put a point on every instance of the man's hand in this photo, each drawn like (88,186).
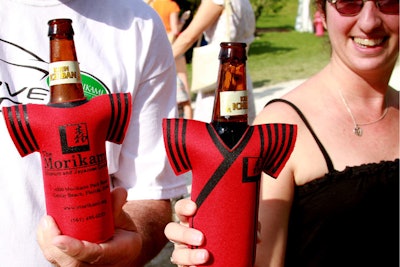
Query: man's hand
(121,250)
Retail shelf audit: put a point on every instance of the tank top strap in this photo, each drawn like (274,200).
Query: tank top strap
(301,115)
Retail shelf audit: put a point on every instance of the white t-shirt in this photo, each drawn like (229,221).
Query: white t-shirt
(241,24)
(122,47)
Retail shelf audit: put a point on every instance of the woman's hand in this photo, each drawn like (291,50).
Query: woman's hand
(185,238)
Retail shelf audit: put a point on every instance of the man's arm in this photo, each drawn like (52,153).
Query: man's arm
(150,217)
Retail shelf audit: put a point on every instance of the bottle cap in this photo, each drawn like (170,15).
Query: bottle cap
(60,26)
(233,51)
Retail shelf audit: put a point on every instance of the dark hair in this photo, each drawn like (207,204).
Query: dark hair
(321,6)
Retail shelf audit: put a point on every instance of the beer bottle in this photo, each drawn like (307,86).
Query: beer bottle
(78,191)
(64,75)
(70,133)
(230,105)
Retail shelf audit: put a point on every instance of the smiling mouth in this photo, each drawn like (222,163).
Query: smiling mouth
(368,42)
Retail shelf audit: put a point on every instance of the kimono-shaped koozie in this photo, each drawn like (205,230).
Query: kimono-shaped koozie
(225,182)
(71,141)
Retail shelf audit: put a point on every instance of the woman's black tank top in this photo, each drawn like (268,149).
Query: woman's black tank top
(346,218)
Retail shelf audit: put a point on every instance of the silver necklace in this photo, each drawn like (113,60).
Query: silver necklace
(357,129)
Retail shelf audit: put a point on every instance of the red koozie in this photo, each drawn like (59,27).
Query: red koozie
(70,134)
(226,181)
(226,158)
(71,142)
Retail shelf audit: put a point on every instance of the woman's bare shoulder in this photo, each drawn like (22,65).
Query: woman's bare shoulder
(281,111)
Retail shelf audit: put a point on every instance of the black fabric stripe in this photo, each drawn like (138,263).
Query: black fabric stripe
(270,150)
(229,158)
(262,141)
(111,125)
(290,142)
(215,139)
(68,104)
(125,118)
(21,127)
(184,130)
(280,131)
(177,144)
(118,118)
(35,145)
(14,129)
(169,144)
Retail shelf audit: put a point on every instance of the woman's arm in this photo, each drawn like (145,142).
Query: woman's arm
(206,15)
(174,23)
(276,197)
(274,210)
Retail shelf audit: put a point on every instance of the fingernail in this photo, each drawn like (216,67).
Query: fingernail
(198,239)
(201,255)
(44,223)
(61,246)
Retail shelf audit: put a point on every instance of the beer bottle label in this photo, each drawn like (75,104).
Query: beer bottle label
(233,103)
(63,72)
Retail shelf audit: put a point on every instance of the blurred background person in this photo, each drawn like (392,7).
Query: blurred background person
(210,19)
(169,12)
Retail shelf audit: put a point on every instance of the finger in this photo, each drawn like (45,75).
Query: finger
(118,196)
(184,209)
(112,252)
(56,247)
(46,231)
(79,250)
(189,257)
(181,234)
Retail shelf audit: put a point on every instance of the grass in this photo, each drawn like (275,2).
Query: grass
(279,53)
(281,56)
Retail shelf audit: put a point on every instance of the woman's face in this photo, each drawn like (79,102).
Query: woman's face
(365,42)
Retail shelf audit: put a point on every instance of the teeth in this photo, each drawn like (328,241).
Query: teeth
(368,42)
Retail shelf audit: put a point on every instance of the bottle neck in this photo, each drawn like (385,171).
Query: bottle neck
(64,73)
(230,104)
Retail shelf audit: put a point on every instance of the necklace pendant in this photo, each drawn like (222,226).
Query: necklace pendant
(358,131)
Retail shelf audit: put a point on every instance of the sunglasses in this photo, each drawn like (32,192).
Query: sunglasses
(353,7)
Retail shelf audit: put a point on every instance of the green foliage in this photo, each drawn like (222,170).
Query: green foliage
(284,19)
(279,53)
(260,7)
(266,7)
